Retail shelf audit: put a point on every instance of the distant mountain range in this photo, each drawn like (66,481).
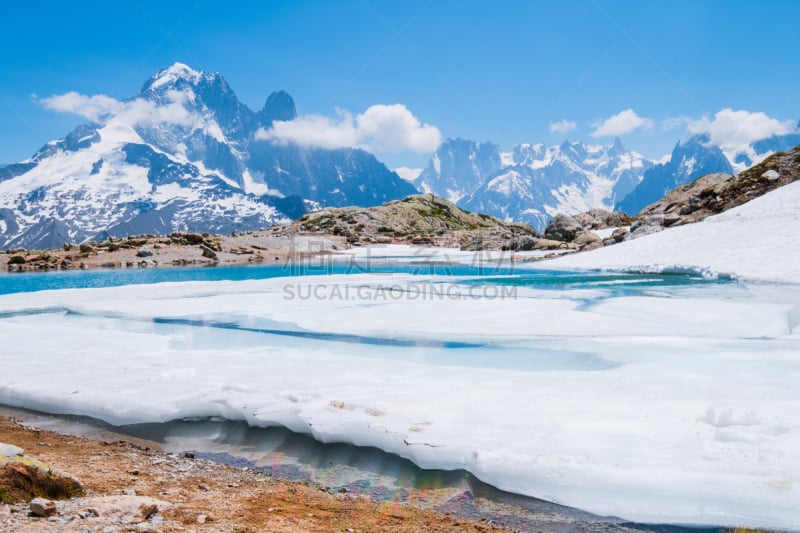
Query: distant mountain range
(184,154)
(202,170)
(531,183)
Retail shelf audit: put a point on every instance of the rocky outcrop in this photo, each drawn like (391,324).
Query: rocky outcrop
(715,193)
(419,219)
(577,230)
(24,478)
(603,219)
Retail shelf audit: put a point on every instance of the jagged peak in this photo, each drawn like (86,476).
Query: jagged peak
(279,106)
(177,76)
(170,75)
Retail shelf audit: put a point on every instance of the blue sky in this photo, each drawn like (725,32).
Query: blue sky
(500,71)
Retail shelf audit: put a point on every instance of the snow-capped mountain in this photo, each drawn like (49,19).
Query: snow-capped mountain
(181,155)
(759,150)
(458,168)
(690,159)
(531,183)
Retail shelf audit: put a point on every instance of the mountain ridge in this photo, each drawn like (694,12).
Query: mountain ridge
(181,155)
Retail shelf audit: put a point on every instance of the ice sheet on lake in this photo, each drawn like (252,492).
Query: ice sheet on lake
(675,406)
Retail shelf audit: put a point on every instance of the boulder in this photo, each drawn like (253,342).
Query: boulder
(43,508)
(563,228)
(9,451)
(208,252)
(620,234)
(586,238)
(143,252)
(640,228)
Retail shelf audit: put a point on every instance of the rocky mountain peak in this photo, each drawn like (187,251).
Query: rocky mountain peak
(279,106)
(617,148)
(176,76)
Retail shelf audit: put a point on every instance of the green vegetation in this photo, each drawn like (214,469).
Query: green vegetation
(22,482)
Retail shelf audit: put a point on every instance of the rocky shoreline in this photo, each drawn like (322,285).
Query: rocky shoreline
(127,486)
(271,246)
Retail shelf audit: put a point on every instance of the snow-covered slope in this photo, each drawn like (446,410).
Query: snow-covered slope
(180,156)
(531,183)
(757,240)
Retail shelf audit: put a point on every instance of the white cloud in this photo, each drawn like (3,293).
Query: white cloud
(384,128)
(672,123)
(313,130)
(103,109)
(734,129)
(408,174)
(562,126)
(623,122)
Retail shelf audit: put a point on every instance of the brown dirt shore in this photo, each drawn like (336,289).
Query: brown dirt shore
(196,495)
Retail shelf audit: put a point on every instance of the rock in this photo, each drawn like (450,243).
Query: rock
(771,175)
(563,228)
(9,450)
(602,218)
(43,508)
(526,243)
(549,244)
(585,238)
(143,252)
(640,229)
(208,252)
(201,519)
(146,510)
(620,234)
(129,492)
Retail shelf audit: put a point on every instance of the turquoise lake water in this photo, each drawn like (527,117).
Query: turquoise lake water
(500,274)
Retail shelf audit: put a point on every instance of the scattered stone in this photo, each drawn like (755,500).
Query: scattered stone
(143,252)
(43,508)
(129,492)
(771,175)
(620,234)
(201,519)
(147,510)
(208,252)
